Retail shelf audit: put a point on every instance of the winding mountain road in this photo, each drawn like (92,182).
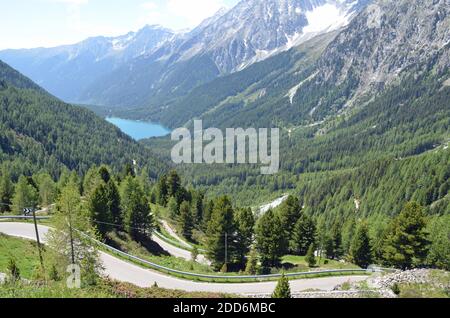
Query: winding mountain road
(123,271)
(179,252)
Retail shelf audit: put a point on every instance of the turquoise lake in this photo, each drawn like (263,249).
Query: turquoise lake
(139,129)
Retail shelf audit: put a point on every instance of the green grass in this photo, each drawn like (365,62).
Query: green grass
(104,289)
(24,252)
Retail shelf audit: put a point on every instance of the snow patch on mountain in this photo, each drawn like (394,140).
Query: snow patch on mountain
(326,18)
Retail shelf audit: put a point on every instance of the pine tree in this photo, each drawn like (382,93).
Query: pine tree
(245,224)
(220,228)
(252,263)
(174,186)
(336,237)
(283,289)
(289,213)
(361,249)
(304,234)
(198,198)
(113,197)
(25,196)
(270,239)
(310,257)
(407,242)
(186,220)
(162,191)
(99,209)
(136,213)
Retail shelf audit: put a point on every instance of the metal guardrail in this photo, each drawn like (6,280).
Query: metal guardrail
(22,217)
(222,277)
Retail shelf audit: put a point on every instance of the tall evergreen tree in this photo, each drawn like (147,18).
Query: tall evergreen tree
(221,229)
(198,198)
(245,229)
(304,234)
(289,212)
(336,237)
(186,220)
(407,242)
(174,186)
(99,208)
(162,191)
(361,249)
(113,197)
(270,239)
(136,213)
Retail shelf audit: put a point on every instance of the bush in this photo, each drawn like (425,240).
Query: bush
(54,275)
(283,289)
(310,258)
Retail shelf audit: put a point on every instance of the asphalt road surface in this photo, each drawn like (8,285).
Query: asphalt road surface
(126,272)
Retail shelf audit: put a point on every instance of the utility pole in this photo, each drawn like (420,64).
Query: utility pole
(71,237)
(41,259)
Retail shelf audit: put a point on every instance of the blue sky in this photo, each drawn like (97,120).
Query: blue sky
(46,23)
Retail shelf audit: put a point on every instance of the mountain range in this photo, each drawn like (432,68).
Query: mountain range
(362,102)
(145,68)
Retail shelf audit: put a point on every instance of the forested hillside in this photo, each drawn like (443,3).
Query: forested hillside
(37,131)
(333,141)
